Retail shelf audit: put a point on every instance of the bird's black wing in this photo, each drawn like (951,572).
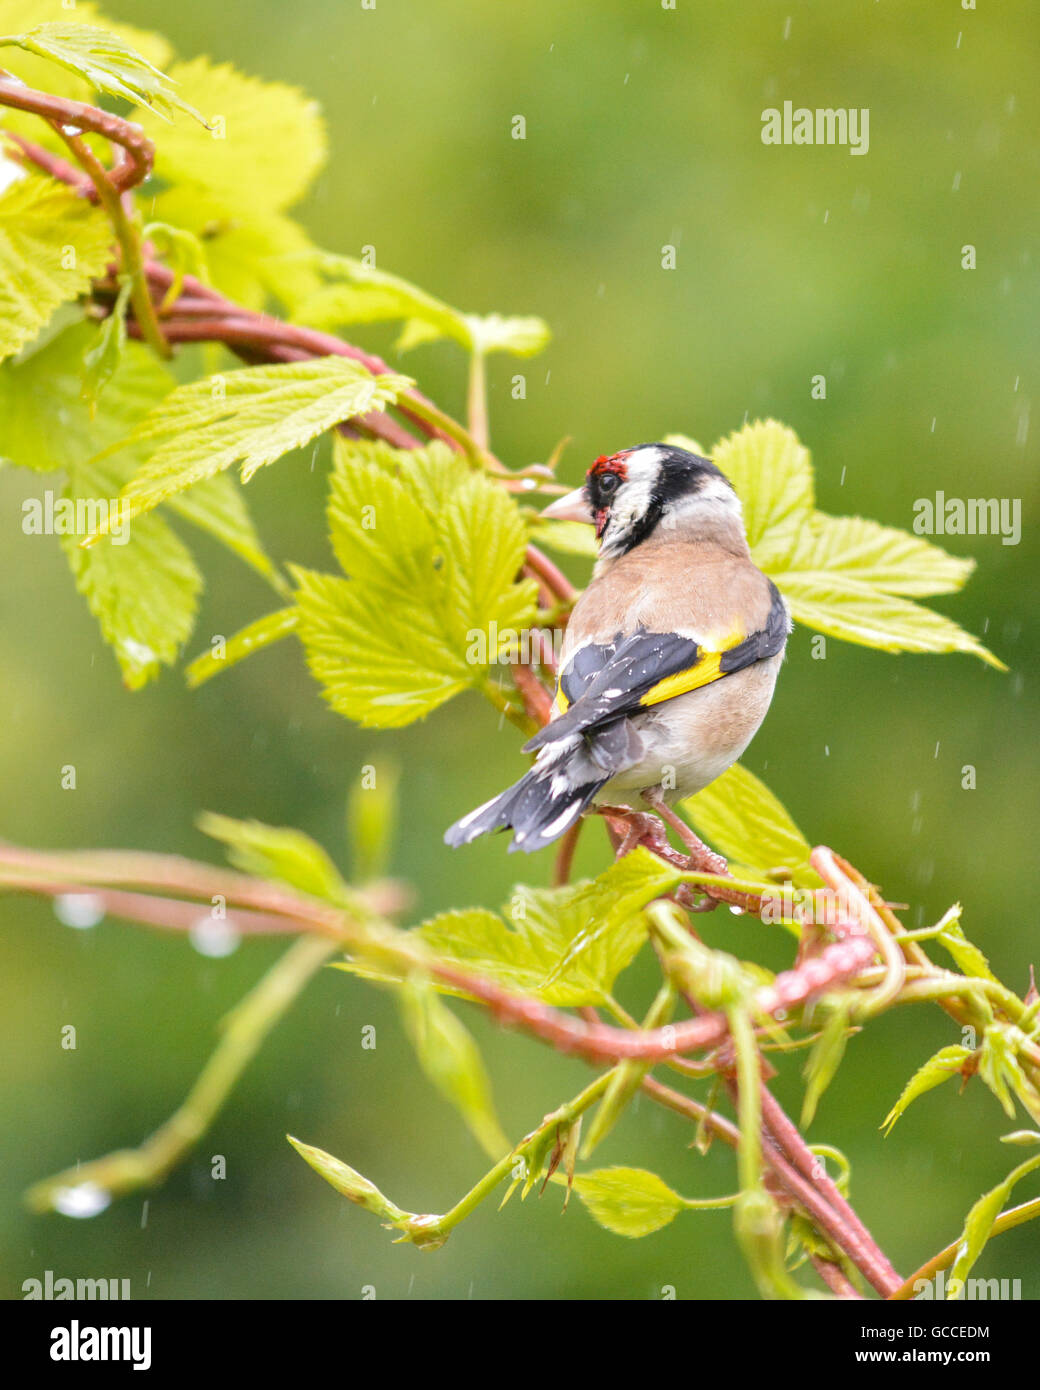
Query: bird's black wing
(604,683)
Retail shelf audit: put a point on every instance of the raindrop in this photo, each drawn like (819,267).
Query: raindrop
(529,484)
(138,652)
(72,130)
(79,910)
(214,937)
(85,1199)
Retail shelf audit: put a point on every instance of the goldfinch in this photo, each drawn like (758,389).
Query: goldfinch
(669,660)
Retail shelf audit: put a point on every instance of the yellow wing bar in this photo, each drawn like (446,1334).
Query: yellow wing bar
(705,669)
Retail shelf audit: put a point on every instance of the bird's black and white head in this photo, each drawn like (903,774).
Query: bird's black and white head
(650,490)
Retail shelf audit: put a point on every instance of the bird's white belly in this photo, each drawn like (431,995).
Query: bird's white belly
(692,739)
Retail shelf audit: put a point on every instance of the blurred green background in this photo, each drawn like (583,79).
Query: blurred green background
(643,129)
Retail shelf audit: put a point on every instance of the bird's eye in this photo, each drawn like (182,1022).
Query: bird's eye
(608,483)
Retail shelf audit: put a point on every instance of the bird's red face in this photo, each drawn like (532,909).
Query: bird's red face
(602,482)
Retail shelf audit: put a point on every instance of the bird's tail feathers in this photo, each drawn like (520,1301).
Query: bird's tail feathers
(541,807)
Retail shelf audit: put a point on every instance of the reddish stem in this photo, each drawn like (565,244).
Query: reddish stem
(138,150)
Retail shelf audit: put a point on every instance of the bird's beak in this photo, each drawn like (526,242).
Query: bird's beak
(573,507)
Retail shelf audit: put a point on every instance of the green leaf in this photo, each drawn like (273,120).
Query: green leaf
(759,1230)
(563,945)
(372,820)
(360,293)
(887,559)
(769,469)
(844,608)
(628,1076)
(841,575)
(603,916)
(480,941)
(16,16)
(216,506)
(945,1063)
(265,144)
(102,360)
(251,416)
(978,1225)
(47,382)
(146,622)
(272,627)
(1002,1072)
(279,853)
(570,537)
(143,592)
(825,1058)
(52,244)
(969,959)
(251,252)
(628,1201)
(349,1182)
(523,337)
(374,666)
(141,584)
(184,252)
(451,1060)
(106,61)
(742,818)
(432,549)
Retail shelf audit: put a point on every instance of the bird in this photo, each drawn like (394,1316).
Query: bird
(668,663)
